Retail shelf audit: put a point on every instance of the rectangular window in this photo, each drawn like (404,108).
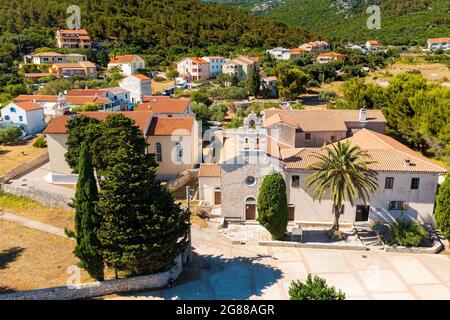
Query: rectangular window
(333,138)
(295,182)
(415,183)
(307,137)
(389,183)
(398,205)
(20,118)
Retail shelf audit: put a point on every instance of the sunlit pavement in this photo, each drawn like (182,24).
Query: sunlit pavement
(224,271)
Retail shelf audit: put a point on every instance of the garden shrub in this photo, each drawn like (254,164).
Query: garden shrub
(40,142)
(410,234)
(314,289)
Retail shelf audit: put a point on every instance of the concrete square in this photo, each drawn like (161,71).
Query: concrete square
(346,282)
(393,296)
(326,261)
(432,292)
(380,280)
(411,270)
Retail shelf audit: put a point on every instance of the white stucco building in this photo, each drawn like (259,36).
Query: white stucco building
(27,115)
(128,64)
(138,86)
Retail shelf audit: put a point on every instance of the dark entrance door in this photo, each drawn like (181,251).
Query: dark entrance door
(362,213)
(291,213)
(217,197)
(250,211)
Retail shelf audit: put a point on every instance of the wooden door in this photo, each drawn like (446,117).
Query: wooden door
(217,197)
(291,213)
(250,211)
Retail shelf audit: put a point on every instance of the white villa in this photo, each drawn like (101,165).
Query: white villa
(287,141)
(128,64)
(138,86)
(27,115)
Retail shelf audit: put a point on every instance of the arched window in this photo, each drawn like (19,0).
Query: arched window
(12,109)
(158,152)
(178,153)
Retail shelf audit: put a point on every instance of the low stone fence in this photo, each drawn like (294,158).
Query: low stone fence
(46,198)
(436,248)
(96,289)
(183,179)
(313,245)
(24,168)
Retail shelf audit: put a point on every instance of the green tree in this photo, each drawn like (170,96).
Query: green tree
(291,81)
(442,210)
(342,172)
(143,229)
(253,83)
(314,289)
(273,206)
(87,222)
(201,111)
(9,134)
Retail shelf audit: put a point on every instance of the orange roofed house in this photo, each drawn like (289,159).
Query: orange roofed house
(439,43)
(166,107)
(73,39)
(128,64)
(328,57)
(84,69)
(175,142)
(194,69)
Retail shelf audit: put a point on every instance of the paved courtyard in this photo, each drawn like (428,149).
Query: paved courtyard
(225,271)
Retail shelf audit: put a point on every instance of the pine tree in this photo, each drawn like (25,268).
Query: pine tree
(86,220)
(272,206)
(143,229)
(253,82)
(442,210)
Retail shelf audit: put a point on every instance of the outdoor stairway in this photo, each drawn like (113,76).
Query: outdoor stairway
(369,238)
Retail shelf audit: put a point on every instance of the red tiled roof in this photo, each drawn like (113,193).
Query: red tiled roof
(69,31)
(171,126)
(40,98)
(209,170)
(159,104)
(86,92)
(82,100)
(28,105)
(123,59)
(59,123)
(439,40)
(140,76)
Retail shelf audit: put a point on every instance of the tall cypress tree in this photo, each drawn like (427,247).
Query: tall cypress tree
(87,221)
(442,209)
(143,230)
(273,206)
(253,82)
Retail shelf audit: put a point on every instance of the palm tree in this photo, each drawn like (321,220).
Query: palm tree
(344,173)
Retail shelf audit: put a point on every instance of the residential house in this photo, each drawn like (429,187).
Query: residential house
(269,87)
(174,141)
(315,128)
(73,39)
(215,65)
(315,46)
(407,180)
(194,69)
(36,76)
(138,85)
(128,64)
(83,69)
(438,43)
(372,45)
(120,98)
(166,107)
(54,57)
(241,67)
(27,115)
(328,57)
(296,53)
(279,53)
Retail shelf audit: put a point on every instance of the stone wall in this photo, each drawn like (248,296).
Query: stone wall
(24,168)
(183,179)
(96,289)
(46,198)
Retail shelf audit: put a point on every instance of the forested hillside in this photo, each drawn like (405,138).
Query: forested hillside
(167,25)
(403,22)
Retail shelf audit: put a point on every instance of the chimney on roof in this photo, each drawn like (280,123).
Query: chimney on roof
(363,115)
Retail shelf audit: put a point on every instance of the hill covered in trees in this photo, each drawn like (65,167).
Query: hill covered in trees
(156,26)
(403,22)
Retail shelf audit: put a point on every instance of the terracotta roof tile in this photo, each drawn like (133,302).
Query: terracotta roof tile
(28,105)
(159,104)
(39,98)
(140,76)
(171,126)
(209,170)
(58,124)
